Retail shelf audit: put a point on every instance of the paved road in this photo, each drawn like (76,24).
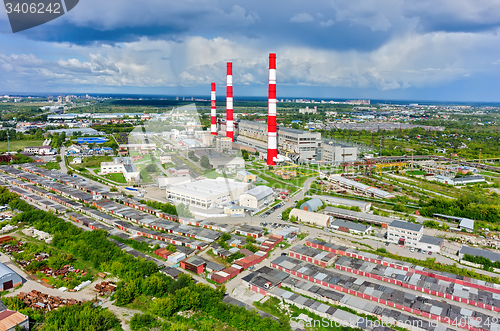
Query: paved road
(62,164)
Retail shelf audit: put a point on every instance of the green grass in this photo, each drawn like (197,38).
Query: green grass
(51,166)
(117,177)
(19,144)
(212,174)
(415,172)
(90,162)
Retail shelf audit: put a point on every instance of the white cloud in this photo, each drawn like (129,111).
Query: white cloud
(302,18)
(328,23)
(412,60)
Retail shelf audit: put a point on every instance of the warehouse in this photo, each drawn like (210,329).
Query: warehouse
(350,227)
(364,206)
(430,243)
(360,187)
(357,216)
(304,216)
(8,278)
(312,205)
(492,256)
(207,193)
(257,197)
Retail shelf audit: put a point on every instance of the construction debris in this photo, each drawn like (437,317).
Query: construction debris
(105,288)
(41,301)
(40,235)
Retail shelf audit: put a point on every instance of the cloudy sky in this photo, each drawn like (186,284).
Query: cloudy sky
(378,49)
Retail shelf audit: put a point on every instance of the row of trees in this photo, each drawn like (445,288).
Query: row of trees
(172,296)
(470,205)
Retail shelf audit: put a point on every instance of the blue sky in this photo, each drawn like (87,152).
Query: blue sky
(384,49)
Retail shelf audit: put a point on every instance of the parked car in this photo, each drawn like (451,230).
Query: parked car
(387,244)
(424,251)
(412,249)
(419,250)
(283,254)
(430,253)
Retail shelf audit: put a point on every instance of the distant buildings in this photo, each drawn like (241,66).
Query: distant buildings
(39,150)
(459,180)
(308,110)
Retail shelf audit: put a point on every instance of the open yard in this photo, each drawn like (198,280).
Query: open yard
(118,177)
(91,162)
(19,145)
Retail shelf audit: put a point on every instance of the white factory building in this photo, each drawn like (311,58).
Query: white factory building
(360,187)
(298,145)
(122,165)
(207,193)
(404,233)
(257,197)
(305,216)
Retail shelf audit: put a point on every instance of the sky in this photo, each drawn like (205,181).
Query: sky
(442,50)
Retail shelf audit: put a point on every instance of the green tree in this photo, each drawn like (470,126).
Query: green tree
(205,162)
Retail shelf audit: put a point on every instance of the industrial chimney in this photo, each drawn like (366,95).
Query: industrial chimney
(229,102)
(272,139)
(213,111)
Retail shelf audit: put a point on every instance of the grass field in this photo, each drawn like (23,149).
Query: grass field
(19,144)
(415,172)
(91,162)
(117,177)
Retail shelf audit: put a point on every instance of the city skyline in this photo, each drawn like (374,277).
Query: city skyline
(444,51)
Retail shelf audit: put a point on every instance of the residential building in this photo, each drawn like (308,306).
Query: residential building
(404,233)
(308,110)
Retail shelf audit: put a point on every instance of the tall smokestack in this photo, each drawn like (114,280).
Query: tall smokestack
(229,102)
(213,111)
(272,139)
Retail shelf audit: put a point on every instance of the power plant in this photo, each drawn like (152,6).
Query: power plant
(229,102)
(213,118)
(295,145)
(272,141)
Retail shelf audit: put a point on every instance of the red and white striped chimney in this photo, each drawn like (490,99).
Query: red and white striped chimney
(213,111)
(272,139)
(229,102)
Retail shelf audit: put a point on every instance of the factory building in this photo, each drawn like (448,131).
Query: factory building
(310,217)
(301,146)
(404,233)
(334,153)
(122,165)
(257,197)
(207,193)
